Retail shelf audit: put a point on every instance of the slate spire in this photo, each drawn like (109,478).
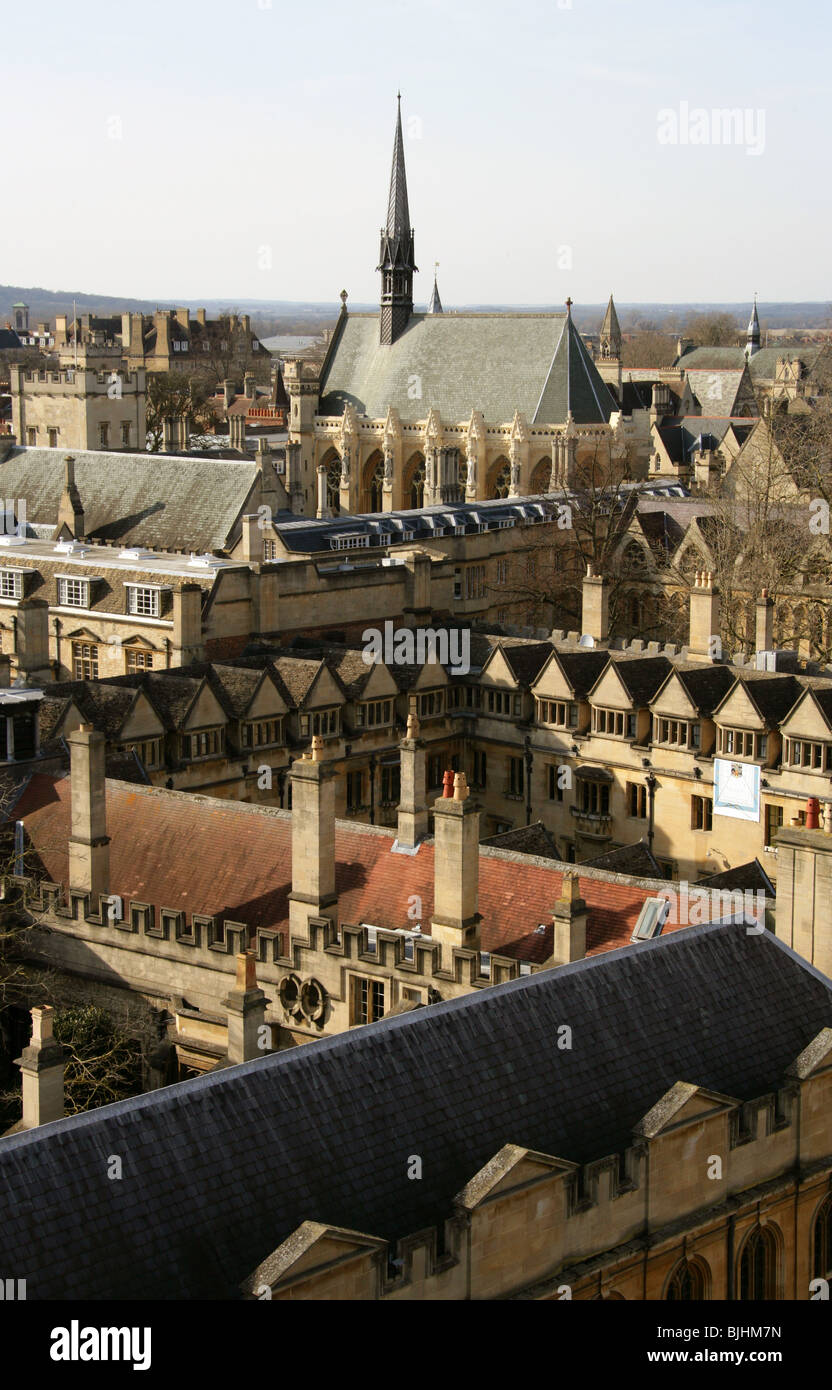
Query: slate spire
(435,304)
(396,255)
(610,333)
(398,213)
(752,340)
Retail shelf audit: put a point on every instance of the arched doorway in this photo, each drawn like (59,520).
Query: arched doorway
(414,483)
(499,478)
(372,494)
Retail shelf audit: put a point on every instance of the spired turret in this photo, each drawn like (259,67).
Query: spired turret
(397,261)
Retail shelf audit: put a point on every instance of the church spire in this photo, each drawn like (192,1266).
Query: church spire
(611,333)
(398,213)
(396,256)
(752,340)
(435,305)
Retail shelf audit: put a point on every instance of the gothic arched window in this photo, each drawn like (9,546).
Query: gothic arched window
(333,485)
(541,476)
(822,1261)
(502,481)
(758,1266)
(415,486)
(687,1283)
(373,500)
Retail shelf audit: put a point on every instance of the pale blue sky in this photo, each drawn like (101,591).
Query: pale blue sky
(251,133)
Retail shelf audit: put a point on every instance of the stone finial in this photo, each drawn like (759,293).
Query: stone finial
(316,753)
(448,785)
(764,593)
(827,818)
(42,1023)
(590,573)
(461,789)
(413,725)
(344,298)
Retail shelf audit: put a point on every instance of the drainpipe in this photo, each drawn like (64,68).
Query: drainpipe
(527,744)
(373,789)
(56,625)
(651,799)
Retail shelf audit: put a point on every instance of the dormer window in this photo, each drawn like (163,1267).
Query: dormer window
(676,733)
(615,723)
(11,583)
(142,600)
(741,743)
(561,714)
(430,705)
(806,754)
(373,714)
(73,593)
(503,703)
(325,722)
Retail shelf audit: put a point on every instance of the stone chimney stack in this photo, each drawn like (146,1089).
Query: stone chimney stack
(569,915)
(161,323)
(89,843)
(42,1066)
(249,387)
(703,642)
(246,1007)
(70,509)
(313,840)
(187,625)
(228,392)
(456,822)
(413,806)
(595,606)
(765,622)
(251,539)
(31,641)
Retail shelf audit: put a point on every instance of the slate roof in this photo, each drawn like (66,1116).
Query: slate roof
(762,364)
(494,363)
(234,861)
(573,384)
(150,500)
(582,668)
(681,436)
(773,695)
(637,860)
(717,391)
(526,839)
(747,878)
(641,675)
(706,685)
(220,1170)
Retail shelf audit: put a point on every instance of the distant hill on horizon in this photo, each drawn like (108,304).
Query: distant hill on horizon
(45,304)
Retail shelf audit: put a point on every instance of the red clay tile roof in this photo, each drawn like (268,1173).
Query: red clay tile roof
(221,858)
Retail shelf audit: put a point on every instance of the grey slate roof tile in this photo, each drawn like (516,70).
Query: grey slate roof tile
(221,1169)
(150,500)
